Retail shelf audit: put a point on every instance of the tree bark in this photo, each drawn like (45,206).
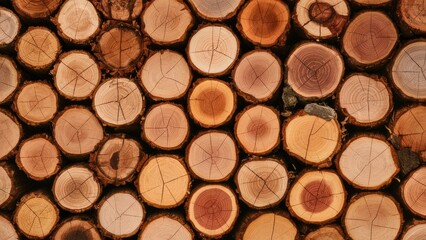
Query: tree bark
(12,185)
(10,25)
(216,10)
(411,192)
(76,228)
(166,226)
(120,10)
(11,77)
(10,134)
(327,232)
(35,9)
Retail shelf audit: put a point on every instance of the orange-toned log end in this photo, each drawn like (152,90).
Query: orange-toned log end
(121,10)
(257,129)
(264,22)
(166,21)
(415,231)
(165,126)
(35,9)
(317,197)
(164,181)
(76,228)
(10,25)
(314,70)
(10,186)
(373,216)
(216,10)
(10,134)
(258,75)
(368,3)
(413,14)
(211,102)
(212,156)
(212,210)
(369,39)
(262,182)
(412,192)
(7,229)
(365,99)
(330,232)
(166,226)
(10,78)
(368,162)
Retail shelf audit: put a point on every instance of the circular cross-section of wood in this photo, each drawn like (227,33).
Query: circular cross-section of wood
(166,227)
(409,70)
(165,126)
(10,133)
(35,9)
(36,216)
(373,216)
(369,39)
(413,13)
(76,188)
(166,21)
(38,48)
(165,75)
(212,156)
(36,103)
(77,21)
(120,214)
(121,10)
(314,70)
(415,231)
(368,162)
(216,10)
(38,157)
(262,182)
(164,181)
(9,78)
(213,50)
(330,232)
(365,99)
(76,228)
(257,75)
(76,75)
(212,210)
(317,197)
(118,102)
(77,131)
(257,129)
(371,2)
(311,139)
(264,22)
(6,186)
(412,192)
(9,25)
(211,102)
(7,229)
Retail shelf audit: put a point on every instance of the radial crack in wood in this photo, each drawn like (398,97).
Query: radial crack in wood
(76,228)
(413,14)
(412,192)
(12,185)
(35,9)
(9,27)
(9,78)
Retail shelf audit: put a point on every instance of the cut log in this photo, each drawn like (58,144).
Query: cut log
(211,102)
(368,43)
(12,185)
(7,229)
(413,14)
(165,126)
(365,99)
(38,157)
(213,50)
(81,29)
(368,162)
(412,192)
(165,76)
(264,22)
(76,188)
(10,134)
(373,216)
(9,25)
(118,102)
(314,70)
(166,21)
(257,76)
(311,139)
(212,210)
(35,9)
(274,225)
(262,182)
(212,156)
(36,215)
(120,214)
(415,231)
(121,10)
(408,72)
(77,131)
(10,78)
(76,228)
(118,160)
(317,197)
(257,129)
(322,19)
(370,3)
(166,226)
(409,127)
(216,10)
(36,103)
(164,181)
(76,75)
(38,49)
(330,232)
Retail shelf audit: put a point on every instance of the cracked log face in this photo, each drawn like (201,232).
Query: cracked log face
(415,231)
(413,13)
(213,50)
(211,102)
(35,9)
(75,228)
(7,229)
(165,76)
(212,210)
(9,78)
(212,156)
(373,216)
(368,162)
(216,10)
(6,186)
(331,232)
(166,21)
(264,22)
(121,10)
(164,181)
(409,70)
(269,225)
(10,133)
(314,70)
(317,197)
(166,226)
(412,192)
(120,214)
(262,182)
(9,27)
